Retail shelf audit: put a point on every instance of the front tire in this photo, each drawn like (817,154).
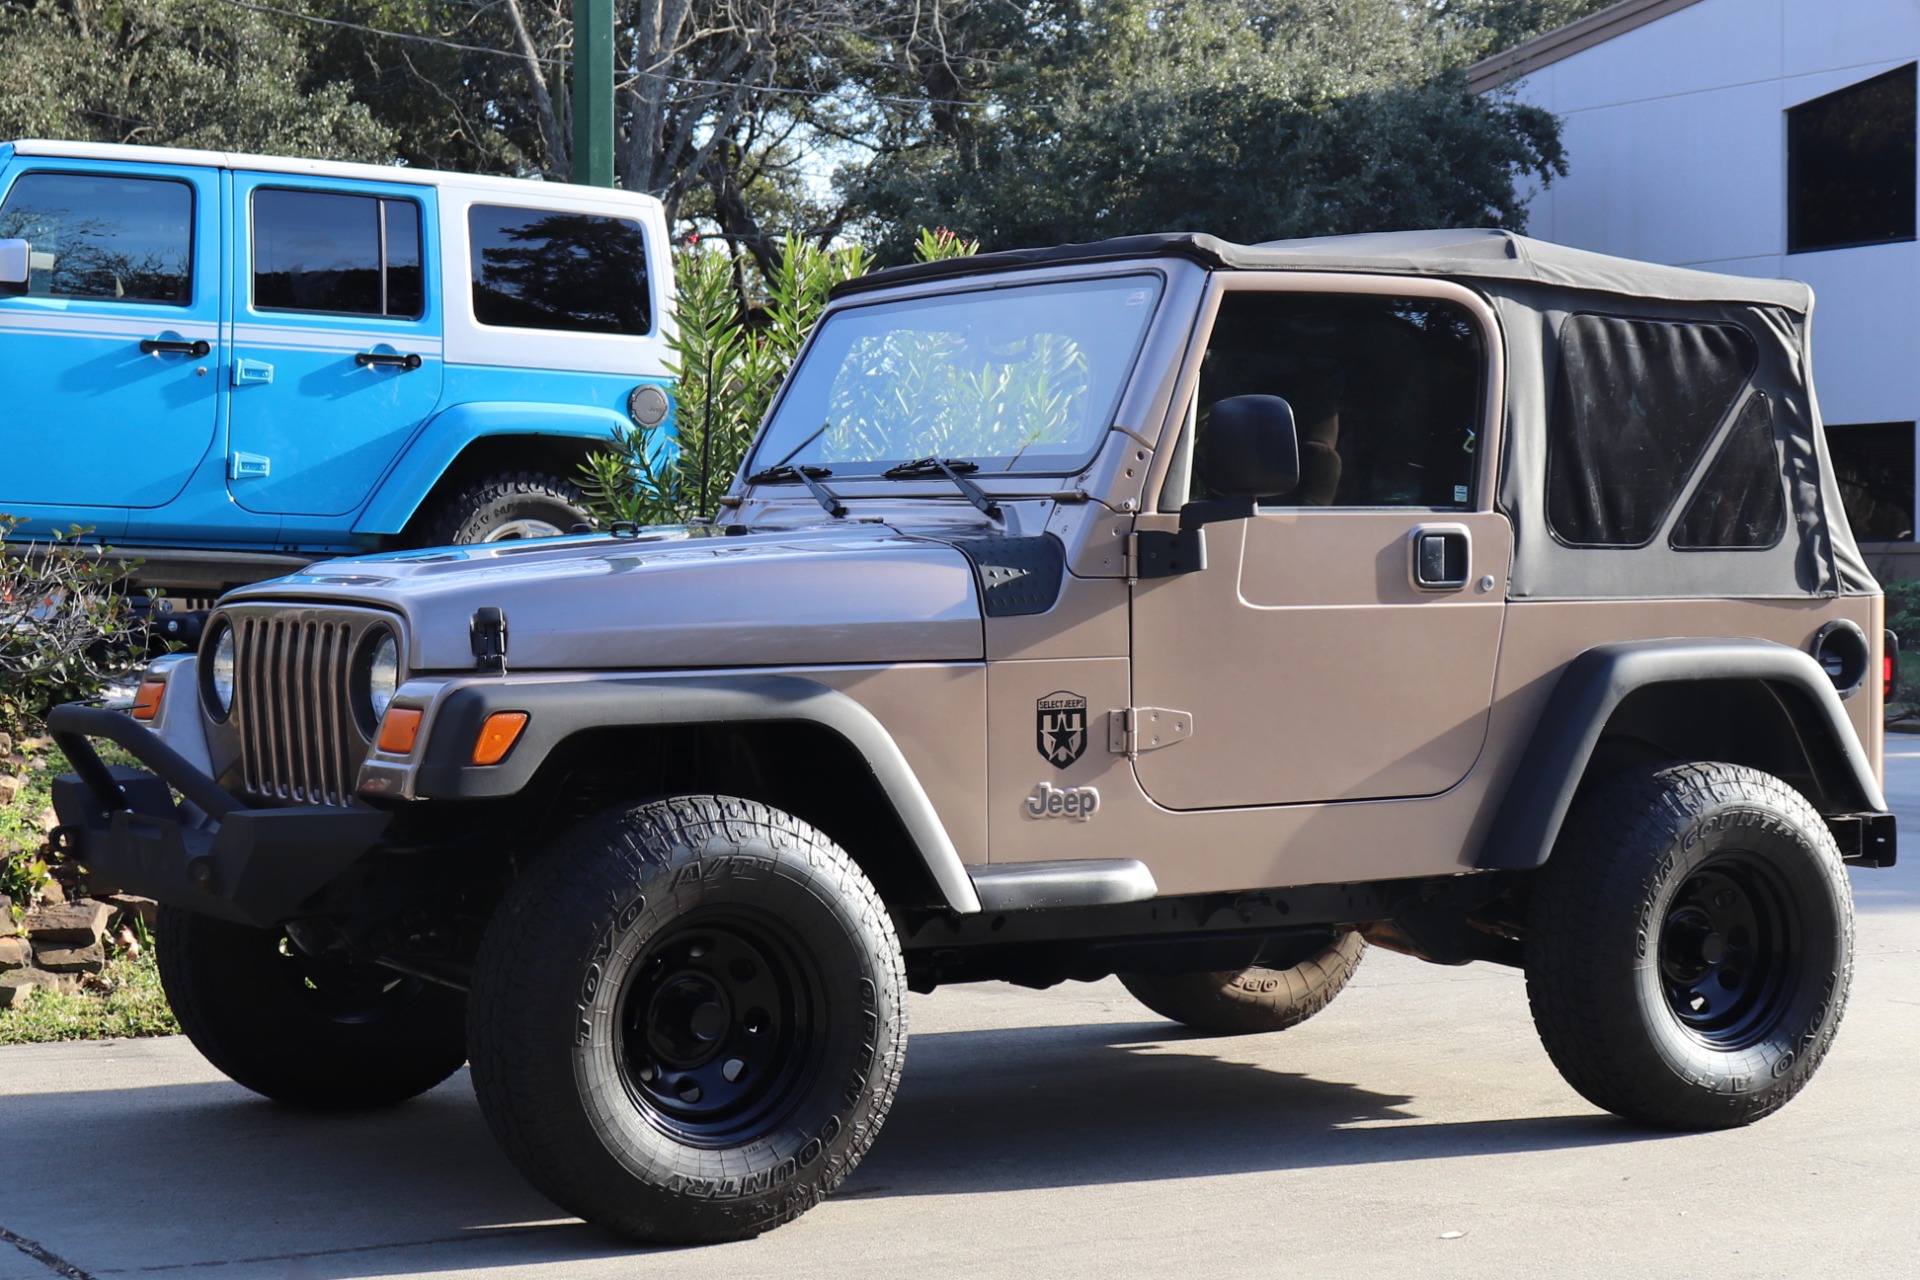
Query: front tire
(304,1031)
(688,1019)
(1689,945)
(1254,1000)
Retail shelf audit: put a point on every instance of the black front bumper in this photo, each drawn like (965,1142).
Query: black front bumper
(208,852)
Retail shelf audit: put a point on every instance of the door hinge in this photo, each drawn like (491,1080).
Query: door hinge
(1163,553)
(1131,730)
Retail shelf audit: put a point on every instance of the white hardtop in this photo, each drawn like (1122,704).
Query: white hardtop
(508,188)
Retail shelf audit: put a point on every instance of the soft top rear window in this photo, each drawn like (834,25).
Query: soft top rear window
(1635,405)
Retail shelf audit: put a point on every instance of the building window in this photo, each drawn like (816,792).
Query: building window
(1874,467)
(1850,165)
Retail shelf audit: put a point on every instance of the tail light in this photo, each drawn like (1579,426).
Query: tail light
(1889,666)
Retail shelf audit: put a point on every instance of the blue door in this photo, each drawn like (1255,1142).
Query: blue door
(336,339)
(110,360)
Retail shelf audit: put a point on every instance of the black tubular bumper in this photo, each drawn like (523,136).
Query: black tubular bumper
(254,866)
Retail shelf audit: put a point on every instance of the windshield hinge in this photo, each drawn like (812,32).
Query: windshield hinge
(1164,553)
(1132,730)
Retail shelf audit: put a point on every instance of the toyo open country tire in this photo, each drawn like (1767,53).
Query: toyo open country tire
(508,506)
(1262,998)
(688,1019)
(1689,945)
(305,1032)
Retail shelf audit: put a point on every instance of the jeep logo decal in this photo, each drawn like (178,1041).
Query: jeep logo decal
(1062,728)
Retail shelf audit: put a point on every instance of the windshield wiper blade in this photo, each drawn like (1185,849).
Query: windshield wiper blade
(786,473)
(952,469)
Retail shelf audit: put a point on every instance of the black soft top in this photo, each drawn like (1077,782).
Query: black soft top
(1469,253)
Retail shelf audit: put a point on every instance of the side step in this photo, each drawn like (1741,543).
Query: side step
(1034,886)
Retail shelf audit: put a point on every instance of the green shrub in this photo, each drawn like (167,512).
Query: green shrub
(66,628)
(728,366)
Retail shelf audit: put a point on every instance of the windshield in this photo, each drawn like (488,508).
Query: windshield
(1018,379)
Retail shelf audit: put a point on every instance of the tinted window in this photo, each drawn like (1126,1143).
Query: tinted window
(1385,393)
(322,251)
(104,239)
(1739,504)
(1850,165)
(1635,404)
(576,271)
(1873,465)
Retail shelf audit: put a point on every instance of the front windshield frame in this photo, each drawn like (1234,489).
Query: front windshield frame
(768,452)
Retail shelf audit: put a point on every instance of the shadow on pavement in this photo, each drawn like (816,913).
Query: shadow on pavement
(227,1179)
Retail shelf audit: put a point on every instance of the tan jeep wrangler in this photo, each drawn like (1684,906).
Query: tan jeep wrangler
(1166,608)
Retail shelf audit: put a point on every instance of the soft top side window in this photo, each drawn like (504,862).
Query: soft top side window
(1635,405)
(1386,393)
(544,269)
(102,238)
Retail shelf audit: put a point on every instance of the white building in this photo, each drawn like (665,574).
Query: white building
(1760,137)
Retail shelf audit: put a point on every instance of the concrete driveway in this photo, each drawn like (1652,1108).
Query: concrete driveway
(1414,1129)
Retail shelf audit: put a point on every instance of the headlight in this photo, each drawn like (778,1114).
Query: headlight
(220,673)
(383,674)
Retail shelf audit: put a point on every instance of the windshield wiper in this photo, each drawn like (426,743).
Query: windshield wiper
(786,473)
(952,469)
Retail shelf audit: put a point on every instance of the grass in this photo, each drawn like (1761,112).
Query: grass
(123,1000)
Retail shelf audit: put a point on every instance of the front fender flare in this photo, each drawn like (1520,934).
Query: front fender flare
(557,708)
(1594,684)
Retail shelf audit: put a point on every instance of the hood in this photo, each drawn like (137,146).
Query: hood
(670,598)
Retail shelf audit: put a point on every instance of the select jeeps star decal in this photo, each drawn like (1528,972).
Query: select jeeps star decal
(1061,728)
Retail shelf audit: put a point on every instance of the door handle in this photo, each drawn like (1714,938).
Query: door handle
(1442,557)
(388,359)
(175,347)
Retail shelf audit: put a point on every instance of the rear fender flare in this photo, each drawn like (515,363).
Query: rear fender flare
(441,442)
(1594,685)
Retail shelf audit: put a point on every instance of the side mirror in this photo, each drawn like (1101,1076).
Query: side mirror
(16,259)
(1252,448)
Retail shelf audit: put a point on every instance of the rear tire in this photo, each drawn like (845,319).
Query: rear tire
(688,1019)
(509,506)
(1689,945)
(1250,1001)
(301,1031)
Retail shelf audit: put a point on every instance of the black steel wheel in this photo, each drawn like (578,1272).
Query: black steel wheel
(688,1019)
(1689,945)
(718,1027)
(301,1029)
(1283,992)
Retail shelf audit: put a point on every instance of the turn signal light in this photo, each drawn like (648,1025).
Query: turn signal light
(146,701)
(398,730)
(497,736)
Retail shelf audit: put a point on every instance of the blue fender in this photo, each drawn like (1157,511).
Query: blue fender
(441,441)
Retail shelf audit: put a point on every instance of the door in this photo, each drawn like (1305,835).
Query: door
(1340,643)
(110,357)
(337,332)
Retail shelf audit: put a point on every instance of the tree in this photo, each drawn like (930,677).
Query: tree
(173,72)
(1251,119)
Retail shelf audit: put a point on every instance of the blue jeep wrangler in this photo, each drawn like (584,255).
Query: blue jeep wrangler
(232,365)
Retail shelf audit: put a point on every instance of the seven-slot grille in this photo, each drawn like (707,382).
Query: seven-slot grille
(295,687)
